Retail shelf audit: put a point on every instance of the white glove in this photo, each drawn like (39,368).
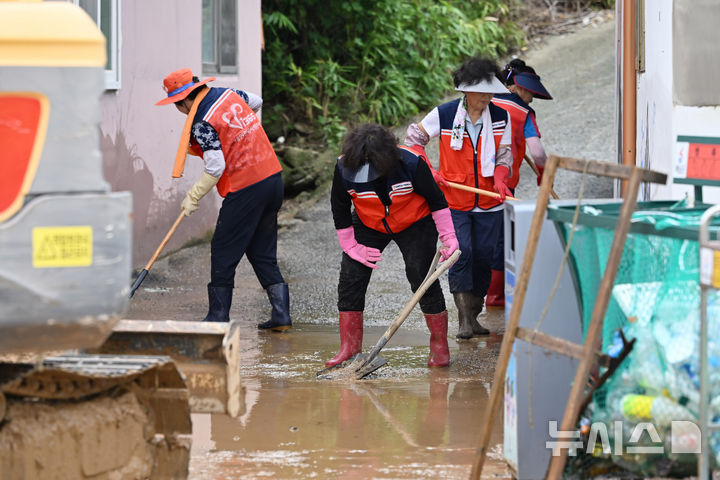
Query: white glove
(199,190)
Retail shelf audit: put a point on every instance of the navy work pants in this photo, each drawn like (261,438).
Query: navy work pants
(247,225)
(477,234)
(498,262)
(417,243)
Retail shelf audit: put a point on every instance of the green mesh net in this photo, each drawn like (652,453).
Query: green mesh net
(655,300)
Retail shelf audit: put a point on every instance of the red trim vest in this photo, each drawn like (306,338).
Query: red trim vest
(249,156)
(463,166)
(518,111)
(406,207)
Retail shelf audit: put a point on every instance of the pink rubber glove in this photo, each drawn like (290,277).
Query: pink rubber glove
(357,252)
(446,232)
(500,178)
(540,174)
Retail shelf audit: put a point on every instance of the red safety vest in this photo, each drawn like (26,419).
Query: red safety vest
(463,166)
(406,207)
(249,156)
(519,112)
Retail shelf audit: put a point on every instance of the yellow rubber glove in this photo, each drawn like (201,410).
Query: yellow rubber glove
(199,190)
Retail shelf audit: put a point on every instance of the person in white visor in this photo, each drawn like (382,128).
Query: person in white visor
(475,150)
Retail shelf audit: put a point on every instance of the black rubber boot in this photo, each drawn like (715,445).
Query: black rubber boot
(219,299)
(279,297)
(463,301)
(477,308)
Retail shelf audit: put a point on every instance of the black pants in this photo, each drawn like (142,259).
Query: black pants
(247,224)
(418,244)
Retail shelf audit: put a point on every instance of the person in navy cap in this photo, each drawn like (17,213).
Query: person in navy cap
(524,85)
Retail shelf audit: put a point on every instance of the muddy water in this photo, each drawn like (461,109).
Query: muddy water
(405,421)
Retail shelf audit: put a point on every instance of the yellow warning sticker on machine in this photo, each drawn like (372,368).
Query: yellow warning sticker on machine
(62,246)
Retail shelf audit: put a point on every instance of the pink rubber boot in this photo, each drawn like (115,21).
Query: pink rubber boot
(351,335)
(496,293)
(439,352)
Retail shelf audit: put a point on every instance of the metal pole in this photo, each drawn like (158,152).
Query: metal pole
(707,248)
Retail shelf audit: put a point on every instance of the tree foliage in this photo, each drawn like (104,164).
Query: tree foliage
(329,64)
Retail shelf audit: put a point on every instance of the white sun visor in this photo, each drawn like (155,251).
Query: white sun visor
(484,86)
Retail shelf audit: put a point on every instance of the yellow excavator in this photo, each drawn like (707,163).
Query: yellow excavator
(65,267)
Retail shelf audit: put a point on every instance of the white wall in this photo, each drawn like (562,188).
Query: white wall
(654,95)
(659,119)
(139,138)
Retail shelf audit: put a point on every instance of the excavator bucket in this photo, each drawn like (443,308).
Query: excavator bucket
(206,353)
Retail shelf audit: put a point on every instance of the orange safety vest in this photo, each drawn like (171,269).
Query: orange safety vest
(519,111)
(249,156)
(463,166)
(406,207)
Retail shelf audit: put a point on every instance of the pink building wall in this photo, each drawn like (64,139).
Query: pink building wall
(139,139)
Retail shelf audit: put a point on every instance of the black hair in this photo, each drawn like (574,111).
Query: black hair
(475,70)
(195,92)
(373,144)
(513,68)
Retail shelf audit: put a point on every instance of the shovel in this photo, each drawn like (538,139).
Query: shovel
(362,365)
(145,270)
(479,191)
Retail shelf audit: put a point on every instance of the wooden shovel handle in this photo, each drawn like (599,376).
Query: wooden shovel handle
(165,240)
(479,191)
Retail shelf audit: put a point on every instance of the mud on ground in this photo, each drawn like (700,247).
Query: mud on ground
(100,438)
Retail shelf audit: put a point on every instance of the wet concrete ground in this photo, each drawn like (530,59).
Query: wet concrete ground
(406,421)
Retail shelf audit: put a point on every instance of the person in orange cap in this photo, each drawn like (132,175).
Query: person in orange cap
(222,128)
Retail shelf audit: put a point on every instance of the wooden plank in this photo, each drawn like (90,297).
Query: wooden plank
(558,345)
(514,318)
(548,342)
(613,170)
(592,337)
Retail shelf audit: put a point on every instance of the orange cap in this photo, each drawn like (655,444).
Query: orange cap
(179,84)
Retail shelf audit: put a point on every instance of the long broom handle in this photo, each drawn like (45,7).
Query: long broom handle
(165,240)
(155,256)
(479,191)
(537,173)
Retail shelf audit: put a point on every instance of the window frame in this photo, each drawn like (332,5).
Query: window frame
(112,74)
(217,66)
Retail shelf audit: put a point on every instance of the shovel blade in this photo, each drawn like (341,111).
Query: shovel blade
(369,367)
(356,367)
(351,364)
